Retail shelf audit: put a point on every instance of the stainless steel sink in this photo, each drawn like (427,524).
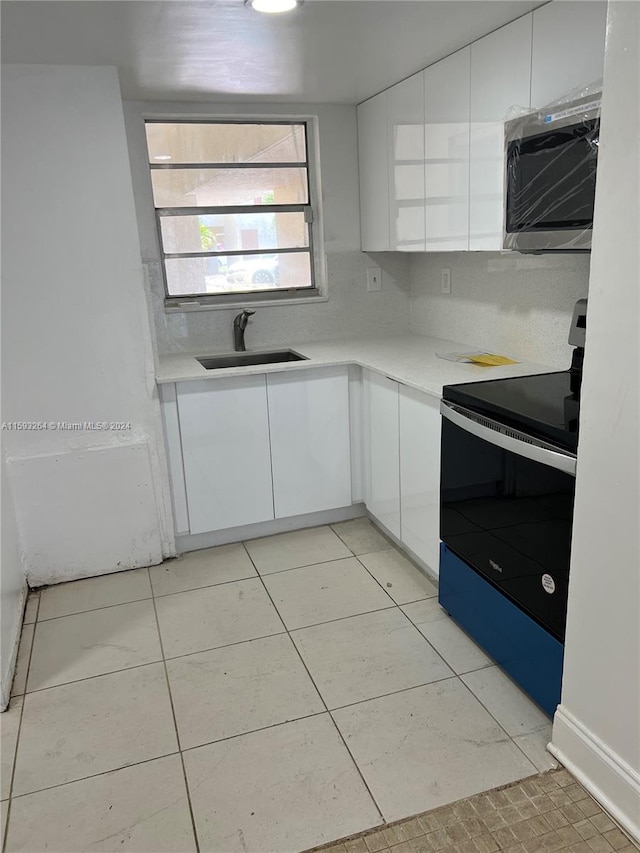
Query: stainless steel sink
(243,359)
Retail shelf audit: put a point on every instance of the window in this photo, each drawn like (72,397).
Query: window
(233,208)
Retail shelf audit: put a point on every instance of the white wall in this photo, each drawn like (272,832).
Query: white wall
(597,726)
(350,310)
(519,305)
(13,590)
(76,339)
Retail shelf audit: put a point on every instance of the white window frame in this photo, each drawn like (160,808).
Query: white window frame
(207,302)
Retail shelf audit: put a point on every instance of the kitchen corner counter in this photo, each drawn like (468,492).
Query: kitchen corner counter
(408,359)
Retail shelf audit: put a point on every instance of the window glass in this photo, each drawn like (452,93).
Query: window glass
(228,224)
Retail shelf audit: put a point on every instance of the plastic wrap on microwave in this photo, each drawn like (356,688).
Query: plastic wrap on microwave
(550,172)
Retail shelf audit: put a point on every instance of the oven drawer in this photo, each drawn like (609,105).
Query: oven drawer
(525,650)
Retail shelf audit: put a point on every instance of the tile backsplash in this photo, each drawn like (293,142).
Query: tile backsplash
(519,305)
(351,310)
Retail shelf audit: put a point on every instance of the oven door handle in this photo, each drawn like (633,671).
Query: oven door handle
(508,438)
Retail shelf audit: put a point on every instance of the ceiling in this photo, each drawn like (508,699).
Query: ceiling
(328,51)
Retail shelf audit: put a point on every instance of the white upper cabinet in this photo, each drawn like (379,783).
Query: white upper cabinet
(500,80)
(446,111)
(310,442)
(405,117)
(568,48)
(374,174)
(225,447)
(467,96)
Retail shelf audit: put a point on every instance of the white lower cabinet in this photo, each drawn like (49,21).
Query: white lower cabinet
(420,474)
(381,450)
(251,449)
(255,448)
(225,450)
(402,464)
(310,445)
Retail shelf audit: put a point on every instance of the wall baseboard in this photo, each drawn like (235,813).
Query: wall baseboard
(7,675)
(611,781)
(187,542)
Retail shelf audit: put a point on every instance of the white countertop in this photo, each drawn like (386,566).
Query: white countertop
(409,359)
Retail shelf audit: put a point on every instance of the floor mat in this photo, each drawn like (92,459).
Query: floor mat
(542,814)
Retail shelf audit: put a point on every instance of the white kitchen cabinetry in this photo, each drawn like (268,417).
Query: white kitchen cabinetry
(405,139)
(310,445)
(374,174)
(568,48)
(249,449)
(381,450)
(500,80)
(402,464)
(446,111)
(225,448)
(420,475)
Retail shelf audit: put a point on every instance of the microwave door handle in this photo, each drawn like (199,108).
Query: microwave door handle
(508,439)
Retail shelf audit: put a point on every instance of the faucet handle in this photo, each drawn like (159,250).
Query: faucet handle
(249,311)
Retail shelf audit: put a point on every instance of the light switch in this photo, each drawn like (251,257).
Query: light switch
(374,279)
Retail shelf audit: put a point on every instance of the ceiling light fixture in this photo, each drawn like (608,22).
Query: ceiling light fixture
(273,7)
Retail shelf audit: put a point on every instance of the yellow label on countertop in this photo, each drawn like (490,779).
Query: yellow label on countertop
(483,359)
(490,360)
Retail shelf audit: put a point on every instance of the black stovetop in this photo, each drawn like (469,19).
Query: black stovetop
(542,406)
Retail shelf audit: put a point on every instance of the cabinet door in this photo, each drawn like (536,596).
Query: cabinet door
(500,80)
(373,174)
(568,48)
(381,453)
(405,116)
(225,446)
(310,446)
(420,474)
(446,93)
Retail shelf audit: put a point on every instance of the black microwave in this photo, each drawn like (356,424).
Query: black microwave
(550,177)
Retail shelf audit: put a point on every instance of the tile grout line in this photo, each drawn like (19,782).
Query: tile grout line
(15,754)
(511,737)
(95,609)
(440,655)
(295,568)
(94,776)
(175,726)
(373,800)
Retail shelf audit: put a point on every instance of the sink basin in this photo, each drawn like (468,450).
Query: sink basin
(243,359)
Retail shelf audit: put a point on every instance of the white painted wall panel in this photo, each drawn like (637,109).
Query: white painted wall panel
(86,512)
(13,589)
(76,336)
(596,727)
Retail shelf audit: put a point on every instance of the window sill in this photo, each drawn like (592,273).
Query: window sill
(187,307)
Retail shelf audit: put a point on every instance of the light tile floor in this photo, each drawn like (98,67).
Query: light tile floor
(274,695)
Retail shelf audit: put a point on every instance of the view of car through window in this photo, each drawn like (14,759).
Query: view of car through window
(232,205)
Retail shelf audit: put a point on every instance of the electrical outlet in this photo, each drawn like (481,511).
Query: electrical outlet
(445,281)
(374,279)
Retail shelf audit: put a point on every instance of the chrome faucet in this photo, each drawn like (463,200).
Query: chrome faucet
(239,325)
